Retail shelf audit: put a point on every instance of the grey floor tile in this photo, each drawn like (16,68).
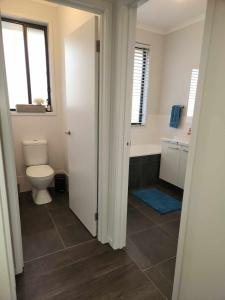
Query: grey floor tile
(74,234)
(86,269)
(167,268)
(134,201)
(63,217)
(172,228)
(41,243)
(150,247)
(136,221)
(111,275)
(161,282)
(156,217)
(62,258)
(57,281)
(34,220)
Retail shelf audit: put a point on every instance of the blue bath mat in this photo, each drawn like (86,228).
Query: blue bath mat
(158,200)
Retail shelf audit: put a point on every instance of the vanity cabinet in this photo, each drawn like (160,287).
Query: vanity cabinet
(173,163)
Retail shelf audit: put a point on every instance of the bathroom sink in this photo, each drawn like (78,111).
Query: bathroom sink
(177,141)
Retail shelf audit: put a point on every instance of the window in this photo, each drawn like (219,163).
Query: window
(192,92)
(140,85)
(26,60)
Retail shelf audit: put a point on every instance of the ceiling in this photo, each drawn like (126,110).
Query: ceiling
(165,16)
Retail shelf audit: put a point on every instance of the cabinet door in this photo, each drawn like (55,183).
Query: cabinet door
(182,167)
(169,162)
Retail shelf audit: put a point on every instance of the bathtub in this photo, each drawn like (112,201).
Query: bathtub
(145,150)
(144,165)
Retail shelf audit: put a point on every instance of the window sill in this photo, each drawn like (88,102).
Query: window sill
(47,114)
(137,125)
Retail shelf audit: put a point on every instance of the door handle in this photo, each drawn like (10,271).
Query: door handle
(68,132)
(174,148)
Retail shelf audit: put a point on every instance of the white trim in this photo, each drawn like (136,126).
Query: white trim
(47,114)
(10,167)
(172,29)
(44,2)
(193,21)
(122,70)
(103,8)
(193,146)
(150,28)
(7,283)
(42,21)
(104,123)
(94,6)
(127,118)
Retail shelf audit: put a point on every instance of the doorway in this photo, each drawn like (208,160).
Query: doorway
(41,229)
(166,68)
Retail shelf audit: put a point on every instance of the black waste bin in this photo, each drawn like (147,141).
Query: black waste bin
(60,183)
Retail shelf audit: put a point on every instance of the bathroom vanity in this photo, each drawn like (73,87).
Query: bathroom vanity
(174,154)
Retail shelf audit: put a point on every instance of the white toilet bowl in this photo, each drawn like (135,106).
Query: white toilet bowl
(40,177)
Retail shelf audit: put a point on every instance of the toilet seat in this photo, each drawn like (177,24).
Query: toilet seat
(41,171)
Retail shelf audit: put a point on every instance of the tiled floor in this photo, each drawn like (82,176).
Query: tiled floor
(63,261)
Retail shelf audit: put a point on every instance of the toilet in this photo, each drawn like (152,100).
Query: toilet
(39,173)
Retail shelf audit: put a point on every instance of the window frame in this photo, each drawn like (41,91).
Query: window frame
(44,28)
(144,89)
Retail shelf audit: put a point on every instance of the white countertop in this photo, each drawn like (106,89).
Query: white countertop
(181,142)
(153,149)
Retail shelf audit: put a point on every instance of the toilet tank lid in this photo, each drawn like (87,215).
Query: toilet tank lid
(34,142)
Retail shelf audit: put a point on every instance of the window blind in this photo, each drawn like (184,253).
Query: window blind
(140,85)
(192,92)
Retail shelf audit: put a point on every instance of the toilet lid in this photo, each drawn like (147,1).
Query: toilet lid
(39,171)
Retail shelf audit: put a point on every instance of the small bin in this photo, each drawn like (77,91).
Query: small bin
(60,183)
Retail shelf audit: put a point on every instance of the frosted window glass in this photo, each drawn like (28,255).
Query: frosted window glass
(15,63)
(192,92)
(37,62)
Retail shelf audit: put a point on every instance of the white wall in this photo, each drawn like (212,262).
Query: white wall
(61,21)
(47,127)
(173,56)
(203,264)
(149,134)
(182,50)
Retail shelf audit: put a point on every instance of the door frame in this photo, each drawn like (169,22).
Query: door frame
(104,10)
(10,169)
(117,36)
(8,284)
(185,219)
(106,182)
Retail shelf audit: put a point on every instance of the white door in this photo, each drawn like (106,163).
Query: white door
(169,162)
(9,164)
(182,167)
(82,119)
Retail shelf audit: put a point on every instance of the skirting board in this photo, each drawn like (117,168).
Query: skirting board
(24,185)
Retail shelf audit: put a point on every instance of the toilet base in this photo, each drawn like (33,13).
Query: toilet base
(41,196)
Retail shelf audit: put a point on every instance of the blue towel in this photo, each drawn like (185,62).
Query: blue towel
(175,116)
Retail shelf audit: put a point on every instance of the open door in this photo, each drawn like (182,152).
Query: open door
(81,60)
(9,164)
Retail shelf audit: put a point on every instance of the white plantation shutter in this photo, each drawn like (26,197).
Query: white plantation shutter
(140,85)
(192,92)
